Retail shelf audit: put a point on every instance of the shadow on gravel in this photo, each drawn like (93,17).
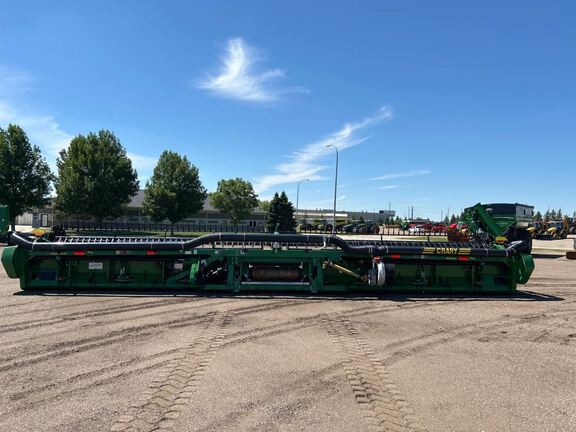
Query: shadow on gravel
(548,256)
(254,295)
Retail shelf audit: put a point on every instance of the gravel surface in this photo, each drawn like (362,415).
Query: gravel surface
(97,362)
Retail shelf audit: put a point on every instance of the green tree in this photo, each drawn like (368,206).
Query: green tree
(280,214)
(553,215)
(95,177)
(559,214)
(264,205)
(538,217)
(453,219)
(174,191)
(446,220)
(235,198)
(25,177)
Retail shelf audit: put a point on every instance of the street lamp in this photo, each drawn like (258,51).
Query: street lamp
(298,196)
(335,188)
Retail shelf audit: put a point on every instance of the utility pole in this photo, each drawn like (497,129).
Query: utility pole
(335,189)
(298,196)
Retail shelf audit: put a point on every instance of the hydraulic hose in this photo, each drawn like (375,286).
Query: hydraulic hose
(378,249)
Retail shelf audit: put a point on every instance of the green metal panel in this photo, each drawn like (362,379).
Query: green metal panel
(4,221)
(9,261)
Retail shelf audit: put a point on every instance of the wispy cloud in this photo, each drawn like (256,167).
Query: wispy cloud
(142,163)
(14,81)
(304,164)
(387,187)
(43,130)
(401,175)
(237,78)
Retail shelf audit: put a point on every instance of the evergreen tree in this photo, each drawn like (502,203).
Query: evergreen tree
(286,219)
(553,215)
(559,214)
(272,220)
(24,174)
(538,217)
(280,215)
(453,219)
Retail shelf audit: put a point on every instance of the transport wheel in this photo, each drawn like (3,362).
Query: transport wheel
(376,230)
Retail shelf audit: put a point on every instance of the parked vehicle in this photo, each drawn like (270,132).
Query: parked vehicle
(366,227)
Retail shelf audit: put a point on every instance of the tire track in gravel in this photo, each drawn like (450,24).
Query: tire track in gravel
(30,399)
(384,409)
(78,346)
(320,384)
(298,323)
(415,345)
(120,320)
(171,391)
(118,336)
(41,322)
(122,369)
(59,307)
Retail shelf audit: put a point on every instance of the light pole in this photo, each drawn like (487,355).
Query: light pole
(298,196)
(335,188)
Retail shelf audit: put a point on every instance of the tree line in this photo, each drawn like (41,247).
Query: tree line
(96,179)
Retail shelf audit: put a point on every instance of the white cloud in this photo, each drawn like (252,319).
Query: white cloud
(42,130)
(387,187)
(401,175)
(304,162)
(142,163)
(238,80)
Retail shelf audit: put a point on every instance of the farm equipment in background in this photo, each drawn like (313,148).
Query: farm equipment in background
(498,223)
(233,262)
(366,227)
(536,228)
(555,230)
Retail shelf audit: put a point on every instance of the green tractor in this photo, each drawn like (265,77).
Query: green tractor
(367,227)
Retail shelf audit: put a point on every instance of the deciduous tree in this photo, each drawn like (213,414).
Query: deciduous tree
(95,177)
(175,190)
(25,177)
(235,198)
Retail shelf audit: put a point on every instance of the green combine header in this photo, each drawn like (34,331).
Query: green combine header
(236,263)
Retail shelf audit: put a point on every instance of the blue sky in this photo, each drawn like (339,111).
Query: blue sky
(434,105)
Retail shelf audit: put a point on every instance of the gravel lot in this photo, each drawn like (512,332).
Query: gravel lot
(94,362)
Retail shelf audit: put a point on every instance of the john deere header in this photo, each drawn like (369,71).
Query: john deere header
(269,262)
